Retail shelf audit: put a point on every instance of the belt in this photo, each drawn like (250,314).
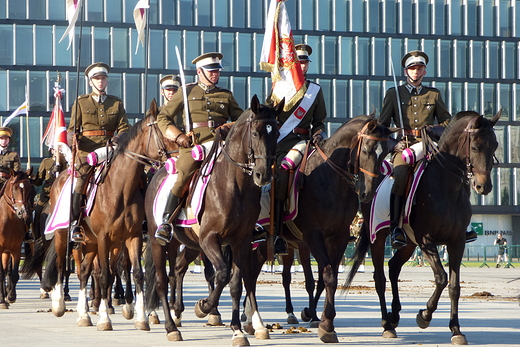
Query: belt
(301,131)
(413,132)
(97,133)
(208,124)
(6,175)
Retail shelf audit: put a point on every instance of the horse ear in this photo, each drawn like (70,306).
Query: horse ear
(373,113)
(496,117)
(279,107)
(153,107)
(255,104)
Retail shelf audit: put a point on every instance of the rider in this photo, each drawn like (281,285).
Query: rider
(420,106)
(95,118)
(312,114)
(209,107)
(8,159)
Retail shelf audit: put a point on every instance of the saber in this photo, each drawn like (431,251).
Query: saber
(398,97)
(187,119)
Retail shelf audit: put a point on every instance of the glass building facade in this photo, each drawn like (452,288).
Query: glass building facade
(473,47)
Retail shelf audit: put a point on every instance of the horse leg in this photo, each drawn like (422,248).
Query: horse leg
(287,261)
(254,323)
(308,314)
(235,290)
(214,317)
(395,265)
(95,290)
(134,247)
(14,276)
(60,248)
(456,254)
(105,281)
(3,303)
(85,270)
(118,291)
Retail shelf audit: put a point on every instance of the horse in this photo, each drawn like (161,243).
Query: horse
(439,216)
(231,205)
(15,207)
(342,170)
(114,222)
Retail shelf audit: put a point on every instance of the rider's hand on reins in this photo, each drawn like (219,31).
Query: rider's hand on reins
(184,141)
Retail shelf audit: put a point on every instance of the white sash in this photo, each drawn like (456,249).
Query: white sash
(301,110)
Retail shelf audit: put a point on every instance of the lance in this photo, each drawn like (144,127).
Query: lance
(187,120)
(57,102)
(398,97)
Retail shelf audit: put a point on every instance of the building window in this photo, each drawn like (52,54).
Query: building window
(24,45)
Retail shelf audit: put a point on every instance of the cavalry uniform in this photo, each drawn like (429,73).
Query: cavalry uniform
(172,83)
(97,117)
(209,107)
(8,159)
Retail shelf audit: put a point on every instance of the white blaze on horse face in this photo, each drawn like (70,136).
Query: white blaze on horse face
(379,149)
(268,128)
(22,185)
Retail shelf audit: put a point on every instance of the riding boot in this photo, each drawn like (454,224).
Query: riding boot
(280,244)
(471,236)
(77,234)
(28,237)
(259,232)
(396,208)
(163,234)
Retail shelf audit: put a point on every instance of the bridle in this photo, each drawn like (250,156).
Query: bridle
(465,145)
(9,194)
(248,166)
(353,177)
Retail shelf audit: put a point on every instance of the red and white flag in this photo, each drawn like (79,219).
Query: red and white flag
(279,57)
(73,10)
(56,133)
(140,21)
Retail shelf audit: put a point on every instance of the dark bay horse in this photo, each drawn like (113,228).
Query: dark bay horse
(336,176)
(15,207)
(230,208)
(114,222)
(440,216)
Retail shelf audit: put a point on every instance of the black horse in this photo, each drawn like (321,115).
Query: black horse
(440,216)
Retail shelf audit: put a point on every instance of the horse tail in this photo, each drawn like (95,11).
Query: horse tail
(150,293)
(33,260)
(357,259)
(50,277)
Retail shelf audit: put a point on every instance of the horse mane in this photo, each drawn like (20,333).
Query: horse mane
(132,133)
(460,115)
(337,136)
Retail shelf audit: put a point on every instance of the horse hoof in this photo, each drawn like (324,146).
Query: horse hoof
(128,313)
(94,308)
(111,310)
(306,317)
(84,322)
(262,334)
(44,295)
(291,319)
(67,297)
(248,328)
(389,334)
(421,322)
(215,320)
(239,339)
(394,321)
(58,313)
(174,336)
(243,317)
(459,340)
(116,302)
(4,306)
(153,318)
(11,300)
(315,324)
(106,326)
(198,309)
(140,325)
(327,337)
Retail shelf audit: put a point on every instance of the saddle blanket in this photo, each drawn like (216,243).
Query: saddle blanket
(380,209)
(59,217)
(188,217)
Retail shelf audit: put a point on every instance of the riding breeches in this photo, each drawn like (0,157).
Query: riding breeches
(83,171)
(185,166)
(401,171)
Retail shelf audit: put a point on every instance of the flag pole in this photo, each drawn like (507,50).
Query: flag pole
(27,130)
(146,55)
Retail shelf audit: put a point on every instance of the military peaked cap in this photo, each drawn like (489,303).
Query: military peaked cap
(209,61)
(170,82)
(6,131)
(303,51)
(97,69)
(414,58)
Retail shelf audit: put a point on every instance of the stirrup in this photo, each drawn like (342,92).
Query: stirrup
(77,234)
(398,238)
(280,246)
(163,234)
(471,236)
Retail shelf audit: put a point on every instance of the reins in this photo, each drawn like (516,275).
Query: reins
(248,166)
(10,199)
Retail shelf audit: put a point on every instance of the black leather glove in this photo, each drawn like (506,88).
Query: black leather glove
(183,141)
(400,146)
(318,137)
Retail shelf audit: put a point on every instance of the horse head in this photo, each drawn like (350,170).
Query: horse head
(17,193)
(251,143)
(474,142)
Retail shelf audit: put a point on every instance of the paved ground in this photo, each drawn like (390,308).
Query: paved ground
(486,320)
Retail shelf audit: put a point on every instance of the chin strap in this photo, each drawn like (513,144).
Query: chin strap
(207,79)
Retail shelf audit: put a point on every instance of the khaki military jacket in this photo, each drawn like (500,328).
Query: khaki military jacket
(110,116)
(217,105)
(46,177)
(418,110)
(9,160)
(313,121)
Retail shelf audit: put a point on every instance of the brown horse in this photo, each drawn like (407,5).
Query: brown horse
(114,222)
(15,207)
(230,208)
(440,216)
(342,171)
